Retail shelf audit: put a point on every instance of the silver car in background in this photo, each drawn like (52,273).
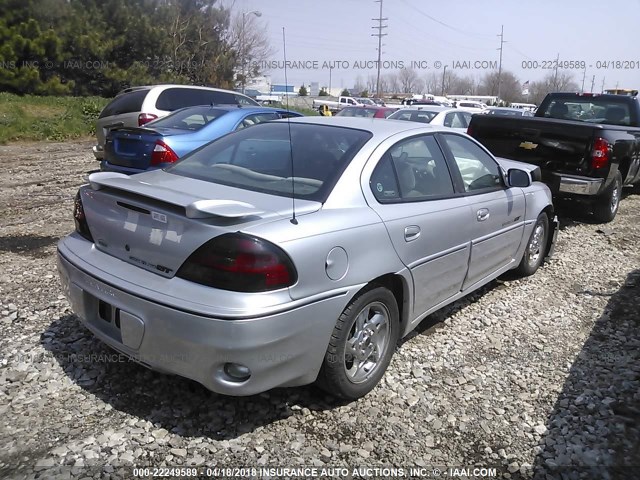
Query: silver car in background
(298,251)
(435,115)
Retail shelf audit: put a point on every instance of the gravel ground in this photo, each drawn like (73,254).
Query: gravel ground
(536,377)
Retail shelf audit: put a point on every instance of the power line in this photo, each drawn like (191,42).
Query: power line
(445,24)
(380,27)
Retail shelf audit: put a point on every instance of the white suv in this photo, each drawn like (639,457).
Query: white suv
(133,107)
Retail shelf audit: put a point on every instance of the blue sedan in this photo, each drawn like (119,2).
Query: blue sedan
(160,143)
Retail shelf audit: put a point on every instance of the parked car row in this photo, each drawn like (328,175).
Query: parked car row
(299,249)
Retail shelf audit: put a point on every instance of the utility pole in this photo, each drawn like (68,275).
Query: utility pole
(555,76)
(593,81)
(602,89)
(379,27)
(500,65)
(583,77)
(444,71)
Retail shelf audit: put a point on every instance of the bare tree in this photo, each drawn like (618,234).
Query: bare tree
(371,83)
(561,81)
(248,39)
(409,81)
(510,85)
(433,83)
(393,83)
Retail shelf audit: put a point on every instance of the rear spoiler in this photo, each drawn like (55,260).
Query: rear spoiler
(200,208)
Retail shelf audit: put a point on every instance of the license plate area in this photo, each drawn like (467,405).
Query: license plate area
(108,313)
(103,316)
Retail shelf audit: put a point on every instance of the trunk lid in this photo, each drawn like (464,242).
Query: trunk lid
(156,220)
(133,147)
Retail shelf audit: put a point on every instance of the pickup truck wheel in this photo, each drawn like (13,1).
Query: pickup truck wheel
(361,345)
(536,247)
(606,207)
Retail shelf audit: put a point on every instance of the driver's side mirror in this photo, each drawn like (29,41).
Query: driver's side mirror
(518,178)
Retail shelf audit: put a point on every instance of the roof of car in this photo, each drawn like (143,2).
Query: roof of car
(377,126)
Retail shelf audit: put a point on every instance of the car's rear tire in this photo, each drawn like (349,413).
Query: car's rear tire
(536,247)
(361,345)
(606,207)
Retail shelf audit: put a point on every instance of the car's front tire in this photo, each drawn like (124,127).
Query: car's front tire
(361,345)
(536,247)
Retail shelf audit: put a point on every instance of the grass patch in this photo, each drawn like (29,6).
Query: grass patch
(32,118)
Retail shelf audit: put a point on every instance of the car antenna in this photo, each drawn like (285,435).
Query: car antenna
(293,181)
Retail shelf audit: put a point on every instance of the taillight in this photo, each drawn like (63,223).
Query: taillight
(241,263)
(145,118)
(82,227)
(469,131)
(162,153)
(601,153)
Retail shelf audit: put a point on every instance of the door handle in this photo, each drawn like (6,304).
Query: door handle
(483,214)
(411,232)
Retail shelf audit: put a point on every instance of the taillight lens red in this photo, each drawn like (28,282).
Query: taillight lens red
(162,153)
(469,131)
(80,219)
(241,263)
(601,153)
(145,118)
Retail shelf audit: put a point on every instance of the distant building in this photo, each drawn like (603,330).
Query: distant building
(283,89)
(314,89)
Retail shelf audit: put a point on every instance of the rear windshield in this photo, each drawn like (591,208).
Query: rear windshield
(190,118)
(125,103)
(260,159)
(587,109)
(175,98)
(357,112)
(423,116)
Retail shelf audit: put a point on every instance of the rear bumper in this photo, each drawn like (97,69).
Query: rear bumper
(280,349)
(575,184)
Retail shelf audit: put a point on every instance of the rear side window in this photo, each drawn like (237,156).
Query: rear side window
(190,119)
(174,98)
(125,103)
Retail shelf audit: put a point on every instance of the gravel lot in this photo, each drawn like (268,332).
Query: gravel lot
(537,377)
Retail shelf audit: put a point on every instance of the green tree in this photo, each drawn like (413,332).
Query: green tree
(323,92)
(345,93)
(303,91)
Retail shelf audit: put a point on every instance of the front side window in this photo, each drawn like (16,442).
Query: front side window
(478,169)
(413,169)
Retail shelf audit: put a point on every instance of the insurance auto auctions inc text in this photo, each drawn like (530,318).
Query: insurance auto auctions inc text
(373,64)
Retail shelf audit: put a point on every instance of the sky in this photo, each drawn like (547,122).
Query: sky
(598,41)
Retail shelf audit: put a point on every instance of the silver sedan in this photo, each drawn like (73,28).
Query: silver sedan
(455,118)
(297,251)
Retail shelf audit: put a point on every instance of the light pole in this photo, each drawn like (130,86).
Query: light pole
(443,74)
(243,44)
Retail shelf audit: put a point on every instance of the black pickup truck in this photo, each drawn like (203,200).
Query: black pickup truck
(586,145)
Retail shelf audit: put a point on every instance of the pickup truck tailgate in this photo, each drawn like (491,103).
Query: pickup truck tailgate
(553,145)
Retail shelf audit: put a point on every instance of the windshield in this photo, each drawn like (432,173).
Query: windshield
(587,109)
(259,159)
(357,112)
(423,116)
(190,118)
